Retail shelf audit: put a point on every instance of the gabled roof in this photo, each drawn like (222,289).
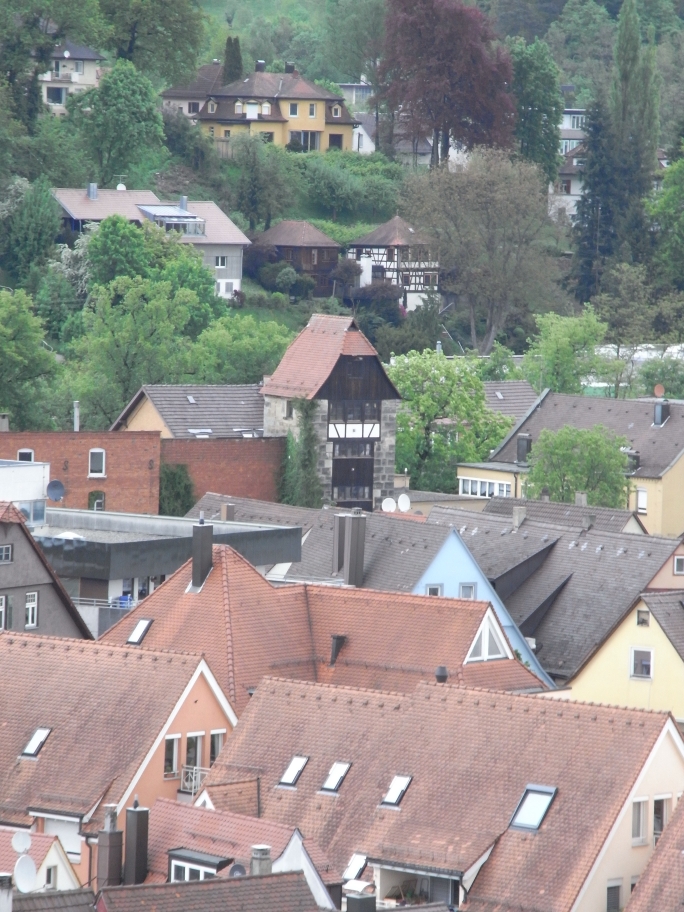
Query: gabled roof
(510,397)
(221,833)
(658,447)
(10,514)
(84,763)
(294,233)
(463,792)
(260,85)
(248,628)
(310,359)
(207,79)
(41,843)
(55,901)
(661,886)
(75,51)
(668,610)
(259,511)
(583,586)
(265,893)
(395,233)
(217,410)
(604,519)
(78,206)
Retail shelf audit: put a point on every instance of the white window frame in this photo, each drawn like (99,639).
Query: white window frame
(199,737)
(641,839)
(462,586)
(3,612)
(489,627)
(294,109)
(31,610)
(220,262)
(336,776)
(396,791)
(51,877)
(103,473)
(640,677)
(6,554)
(36,742)
(139,632)
(438,586)
(265,109)
(79,67)
(219,733)
(490,489)
(642,501)
(314,256)
(175,773)
(26,450)
(615,885)
(295,768)
(312,109)
(679,564)
(205,873)
(212,107)
(337,112)
(238,107)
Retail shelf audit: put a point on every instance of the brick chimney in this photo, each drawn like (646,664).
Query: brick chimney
(109,851)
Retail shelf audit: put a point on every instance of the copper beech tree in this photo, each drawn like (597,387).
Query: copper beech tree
(445,74)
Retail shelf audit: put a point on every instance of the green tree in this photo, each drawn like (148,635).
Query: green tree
(667,212)
(563,354)
(238,349)
(266,181)
(581,43)
(308,489)
(56,302)
(539,103)
(667,371)
(29,233)
(232,61)
(161,37)
(24,362)
(576,459)
(116,249)
(176,494)
(287,482)
(333,188)
(443,418)
(499,365)
(119,122)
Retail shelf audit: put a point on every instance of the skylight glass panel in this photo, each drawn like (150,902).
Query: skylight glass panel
(396,790)
(355,867)
(293,771)
(533,807)
(139,631)
(38,739)
(336,775)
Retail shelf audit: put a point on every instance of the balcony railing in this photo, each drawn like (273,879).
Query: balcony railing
(122,602)
(192,778)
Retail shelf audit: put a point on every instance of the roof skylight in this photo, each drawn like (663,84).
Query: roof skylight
(139,631)
(38,739)
(397,790)
(533,807)
(294,770)
(355,867)
(338,771)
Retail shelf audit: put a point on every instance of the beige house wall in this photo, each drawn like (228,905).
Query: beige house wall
(653,517)
(666,578)
(146,418)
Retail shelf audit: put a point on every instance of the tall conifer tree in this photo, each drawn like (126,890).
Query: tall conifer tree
(232,61)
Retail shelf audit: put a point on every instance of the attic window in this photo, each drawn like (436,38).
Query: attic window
(338,771)
(38,739)
(487,645)
(293,771)
(238,107)
(397,790)
(336,111)
(192,400)
(643,618)
(355,868)
(212,107)
(139,631)
(266,108)
(533,807)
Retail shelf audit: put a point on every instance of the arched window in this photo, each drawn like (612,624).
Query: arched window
(96,463)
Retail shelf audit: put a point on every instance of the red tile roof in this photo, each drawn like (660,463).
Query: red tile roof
(247,628)
(294,233)
(174,825)
(471,754)
(310,359)
(41,843)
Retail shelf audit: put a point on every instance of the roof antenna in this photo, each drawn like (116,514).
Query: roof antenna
(201,519)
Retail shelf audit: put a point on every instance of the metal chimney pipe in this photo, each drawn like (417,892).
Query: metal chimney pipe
(339,520)
(354,546)
(183,203)
(92,191)
(109,851)
(137,827)
(202,541)
(77,416)
(5,892)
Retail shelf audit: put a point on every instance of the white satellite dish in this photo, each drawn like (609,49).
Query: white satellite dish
(121,186)
(404,503)
(21,842)
(67,54)
(25,874)
(389,505)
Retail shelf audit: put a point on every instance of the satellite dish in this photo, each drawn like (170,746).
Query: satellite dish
(55,490)
(389,505)
(404,503)
(67,54)
(237,870)
(121,186)
(21,842)
(25,874)
(659,390)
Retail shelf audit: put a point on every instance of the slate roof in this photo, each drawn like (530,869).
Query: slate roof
(668,609)
(605,519)
(207,79)
(54,900)
(276,85)
(661,886)
(510,397)
(294,233)
(658,447)
(10,514)
(229,411)
(248,510)
(248,628)
(587,580)
(395,233)
(310,359)
(266,893)
(175,825)
(47,682)
(75,51)
(463,793)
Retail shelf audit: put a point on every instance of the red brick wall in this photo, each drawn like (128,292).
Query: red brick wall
(131,465)
(244,467)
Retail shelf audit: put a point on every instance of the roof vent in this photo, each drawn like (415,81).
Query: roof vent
(661,412)
(523,448)
(260,66)
(289,66)
(441,674)
(183,204)
(580,498)
(338,641)
(92,191)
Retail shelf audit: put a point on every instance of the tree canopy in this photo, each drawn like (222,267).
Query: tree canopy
(563,353)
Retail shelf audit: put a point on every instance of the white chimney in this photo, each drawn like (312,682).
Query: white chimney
(5,892)
(77,416)
(261,860)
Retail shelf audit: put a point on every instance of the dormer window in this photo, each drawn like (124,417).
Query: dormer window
(38,739)
(397,790)
(293,771)
(533,806)
(336,111)
(265,109)
(212,107)
(238,107)
(335,778)
(139,631)
(488,643)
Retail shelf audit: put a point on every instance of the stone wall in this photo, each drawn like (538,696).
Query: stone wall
(385,453)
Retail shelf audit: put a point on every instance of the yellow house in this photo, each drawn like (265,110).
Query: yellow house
(282,107)
(655,446)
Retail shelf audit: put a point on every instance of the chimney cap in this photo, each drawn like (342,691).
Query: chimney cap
(260,66)
(261,851)
(441,674)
